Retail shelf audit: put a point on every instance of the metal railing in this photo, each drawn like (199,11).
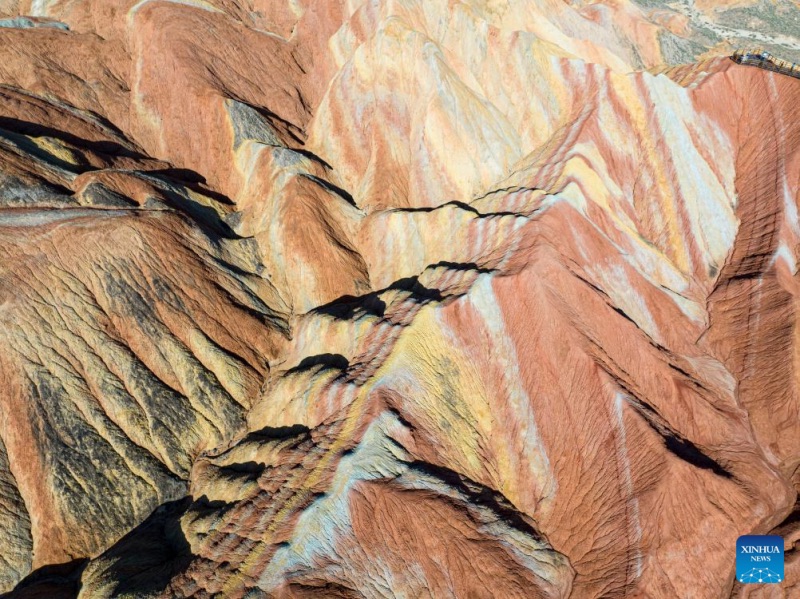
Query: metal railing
(765,60)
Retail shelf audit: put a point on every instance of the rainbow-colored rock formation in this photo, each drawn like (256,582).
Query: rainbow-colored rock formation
(395,298)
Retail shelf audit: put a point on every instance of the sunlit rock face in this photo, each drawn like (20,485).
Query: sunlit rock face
(396,298)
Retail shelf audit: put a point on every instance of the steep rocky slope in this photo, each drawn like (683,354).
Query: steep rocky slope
(395,298)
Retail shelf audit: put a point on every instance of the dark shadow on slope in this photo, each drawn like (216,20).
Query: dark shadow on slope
(146,559)
(337,361)
(462,266)
(480,495)
(455,203)
(679,446)
(182,176)
(311,156)
(244,471)
(429,209)
(347,306)
(111,148)
(418,290)
(272,433)
(280,124)
(193,180)
(57,581)
(205,217)
(154,552)
(330,187)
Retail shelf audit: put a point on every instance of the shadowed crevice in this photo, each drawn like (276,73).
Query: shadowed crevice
(674,442)
(328,186)
(457,204)
(479,495)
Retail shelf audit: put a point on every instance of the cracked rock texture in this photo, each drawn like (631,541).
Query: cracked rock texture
(396,298)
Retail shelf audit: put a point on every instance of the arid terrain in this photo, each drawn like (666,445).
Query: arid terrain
(397,298)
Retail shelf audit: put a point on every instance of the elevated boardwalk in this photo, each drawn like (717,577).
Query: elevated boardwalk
(765,60)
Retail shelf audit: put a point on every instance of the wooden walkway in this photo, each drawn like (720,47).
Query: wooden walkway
(765,60)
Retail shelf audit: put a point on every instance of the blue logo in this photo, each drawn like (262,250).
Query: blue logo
(759,559)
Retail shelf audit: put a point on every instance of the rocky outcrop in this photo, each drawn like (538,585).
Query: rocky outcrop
(396,298)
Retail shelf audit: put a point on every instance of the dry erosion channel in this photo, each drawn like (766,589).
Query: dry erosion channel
(397,298)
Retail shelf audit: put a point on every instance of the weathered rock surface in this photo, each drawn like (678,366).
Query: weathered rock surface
(396,298)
